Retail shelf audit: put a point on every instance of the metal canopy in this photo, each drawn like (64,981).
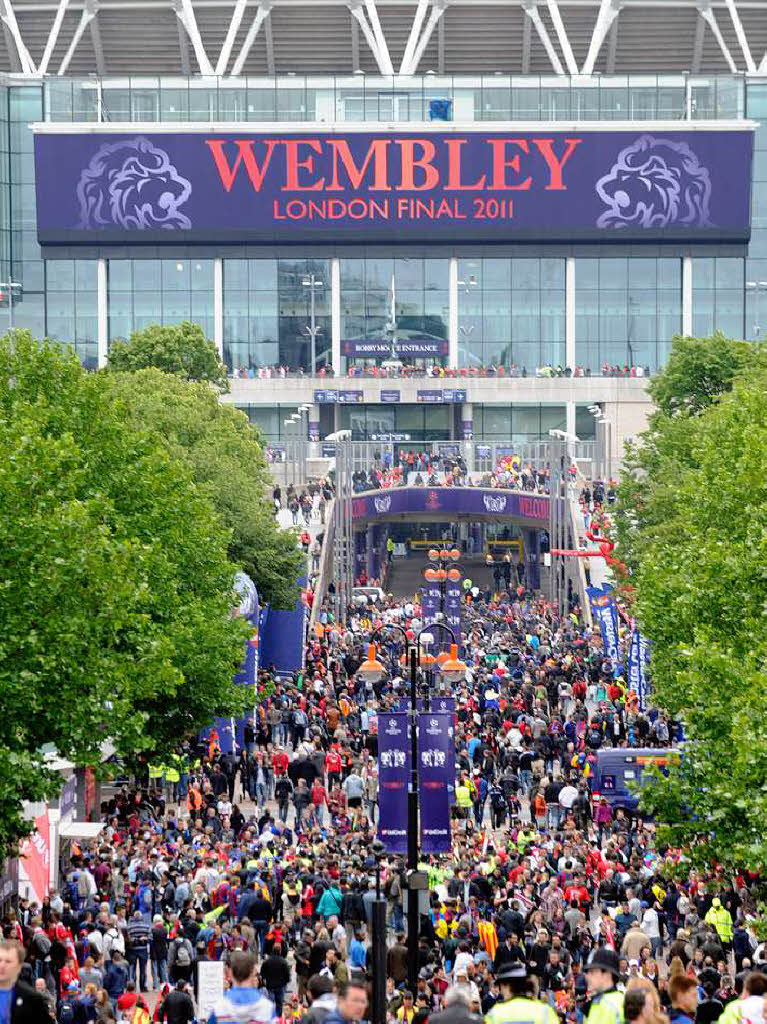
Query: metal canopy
(383,37)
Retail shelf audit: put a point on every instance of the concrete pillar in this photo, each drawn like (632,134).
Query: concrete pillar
(531,542)
(102,307)
(335,315)
(218,305)
(570,353)
(687,295)
(370,551)
(452,344)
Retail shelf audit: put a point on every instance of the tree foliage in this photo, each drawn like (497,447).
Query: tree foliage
(226,458)
(181,349)
(115,575)
(692,518)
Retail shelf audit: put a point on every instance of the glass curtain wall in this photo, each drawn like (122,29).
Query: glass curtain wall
(147,292)
(419,289)
(519,423)
(25,105)
(267,314)
(626,311)
(511,313)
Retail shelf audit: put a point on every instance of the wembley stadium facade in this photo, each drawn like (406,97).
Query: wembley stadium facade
(424,220)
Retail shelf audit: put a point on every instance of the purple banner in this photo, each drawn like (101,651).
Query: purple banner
(298,184)
(467,428)
(393,780)
(429,603)
(314,430)
(439,704)
(453,608)
(418,347)
(436,770)
(468,501)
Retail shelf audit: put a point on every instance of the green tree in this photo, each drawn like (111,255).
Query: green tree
(181,349)
(693,516)
(226,457)
(699,372)
(115,576)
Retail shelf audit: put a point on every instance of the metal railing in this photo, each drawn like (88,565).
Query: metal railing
(397,99)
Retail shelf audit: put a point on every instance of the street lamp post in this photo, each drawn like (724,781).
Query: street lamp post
(312,281)
(757,287)
(371,670)
(10,286)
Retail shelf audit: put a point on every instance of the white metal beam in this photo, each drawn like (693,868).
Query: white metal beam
(415,31)
(608,12)
(375,24)
(763,65)
(185,13)
(53,36)
(564,42)
(98,47)
(437,10)
(738,24)
(264,8)
(531,11)
(704,7)
(234,25)
(359,15)
(9,19)
(89,13)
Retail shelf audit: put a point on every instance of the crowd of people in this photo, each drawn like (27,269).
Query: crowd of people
(398,368)
(553,905)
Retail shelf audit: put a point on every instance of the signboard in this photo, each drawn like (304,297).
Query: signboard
(436,769)
(350,397)
(323,397)
(393,780)
(391,437)
(328,450)
(454,394)
(448,449)
(35,857)
(588,184)
(430,397)
(68,799)
(210,987)
(418,348)
(390,397)
(453,501)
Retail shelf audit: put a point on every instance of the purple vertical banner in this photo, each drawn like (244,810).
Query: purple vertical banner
(393,779)
(436,774)
(429,603)
(453,608)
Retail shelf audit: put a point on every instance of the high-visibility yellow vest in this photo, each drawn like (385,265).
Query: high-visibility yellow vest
(521,1011)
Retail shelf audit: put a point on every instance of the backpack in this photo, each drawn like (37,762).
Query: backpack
(66,1012)
(42,945)
(82,884)
(183,956)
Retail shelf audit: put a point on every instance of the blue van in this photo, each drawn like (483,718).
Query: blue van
(618,772)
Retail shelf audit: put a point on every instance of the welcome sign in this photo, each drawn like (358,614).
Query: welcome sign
(210,187)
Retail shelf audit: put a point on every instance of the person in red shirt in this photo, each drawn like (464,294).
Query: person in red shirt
(319,799)
(280,762)
(333,766)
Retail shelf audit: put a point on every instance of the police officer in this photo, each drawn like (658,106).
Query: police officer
(515,1005)
(602,973)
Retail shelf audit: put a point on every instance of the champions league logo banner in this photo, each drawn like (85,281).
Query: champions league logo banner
(393,780)
(436,780)
(453,609)
(429,604)
(604,609)
(638,667)
(261,188)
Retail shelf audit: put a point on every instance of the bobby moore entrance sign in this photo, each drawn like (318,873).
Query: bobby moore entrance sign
(579,185)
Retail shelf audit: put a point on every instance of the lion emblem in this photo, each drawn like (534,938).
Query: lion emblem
(132,184)
(655,183)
